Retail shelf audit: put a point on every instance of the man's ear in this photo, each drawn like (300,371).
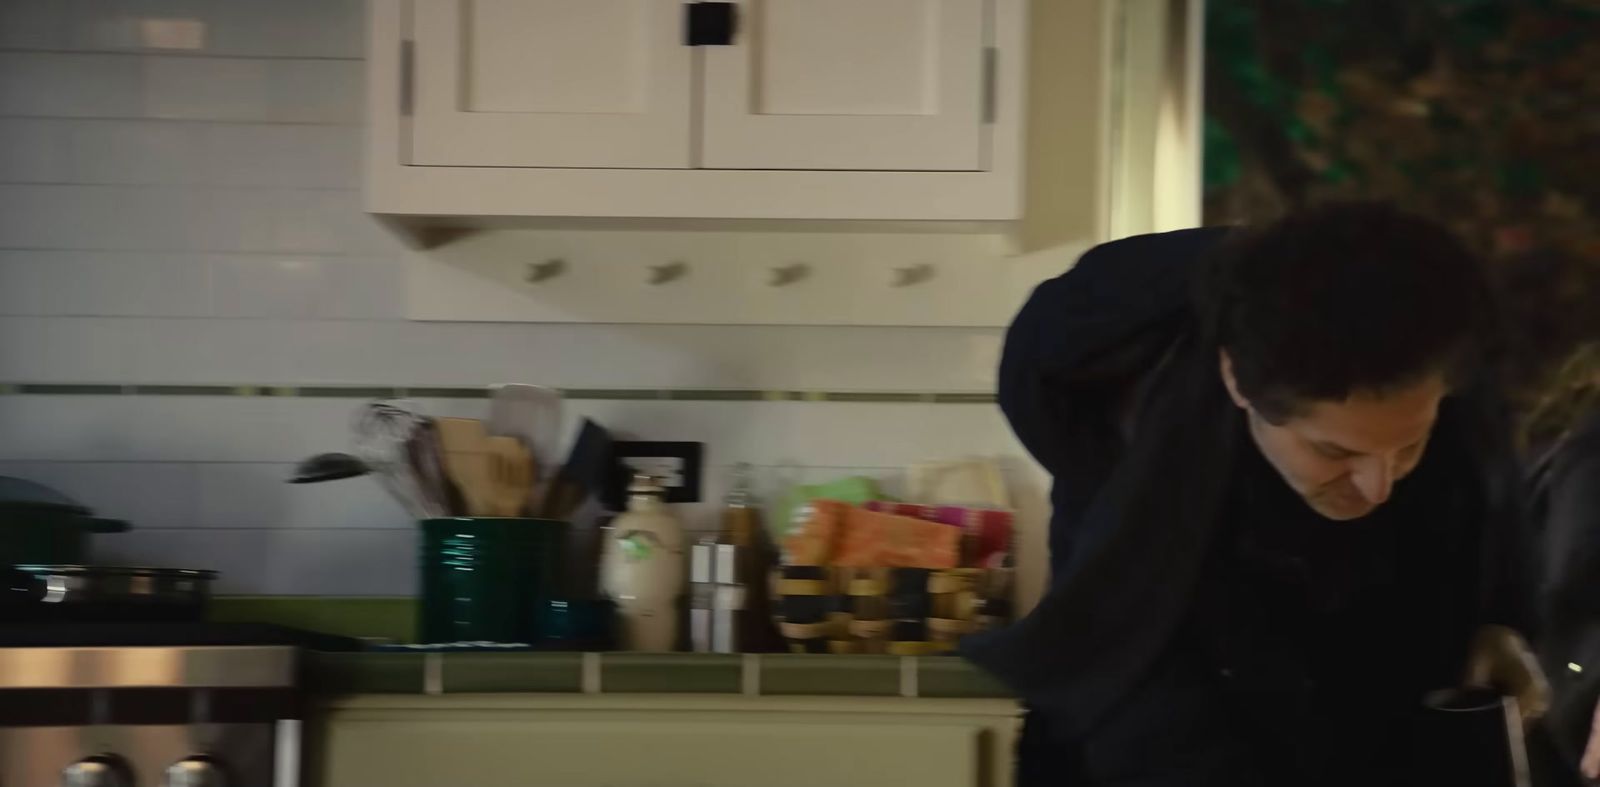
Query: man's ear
(1225,366)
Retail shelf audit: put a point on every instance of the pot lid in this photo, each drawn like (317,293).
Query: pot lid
(19,492)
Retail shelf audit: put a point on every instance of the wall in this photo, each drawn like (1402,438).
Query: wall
(176,223)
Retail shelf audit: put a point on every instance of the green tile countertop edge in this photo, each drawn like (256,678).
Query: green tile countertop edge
(778,674)
(393,619)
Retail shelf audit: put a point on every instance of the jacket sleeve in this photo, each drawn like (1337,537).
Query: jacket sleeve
(1568,591)
(1080,344)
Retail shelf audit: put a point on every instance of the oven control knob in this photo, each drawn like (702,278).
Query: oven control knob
(100,770)
(196,771)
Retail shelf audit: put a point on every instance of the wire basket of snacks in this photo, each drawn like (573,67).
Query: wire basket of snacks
(892,578)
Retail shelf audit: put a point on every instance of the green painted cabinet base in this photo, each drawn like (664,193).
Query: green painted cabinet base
(661,740)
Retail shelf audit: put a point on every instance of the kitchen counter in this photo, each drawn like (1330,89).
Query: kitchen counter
(772,674)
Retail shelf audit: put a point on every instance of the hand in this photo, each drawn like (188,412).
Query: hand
(1501,660)
(1590,764)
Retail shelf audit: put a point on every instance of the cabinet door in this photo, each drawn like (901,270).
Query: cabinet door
(551,83)
(849,85)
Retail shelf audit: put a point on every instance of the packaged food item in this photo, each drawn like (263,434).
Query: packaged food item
(794,506)
(985,532)
(811,542)
(875,539)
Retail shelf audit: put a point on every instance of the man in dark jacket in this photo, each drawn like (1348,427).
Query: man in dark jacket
(1564,512)
(1276,494)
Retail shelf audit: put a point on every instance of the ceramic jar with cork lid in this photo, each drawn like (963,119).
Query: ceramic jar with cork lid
(642,569)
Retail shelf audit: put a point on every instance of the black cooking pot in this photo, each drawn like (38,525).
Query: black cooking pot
(97,594)
(39,525)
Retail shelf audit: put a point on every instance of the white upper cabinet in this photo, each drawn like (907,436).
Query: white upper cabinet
(755,109)
(849,84)
(551,83)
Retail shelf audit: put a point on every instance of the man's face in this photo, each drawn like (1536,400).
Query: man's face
(1344,458)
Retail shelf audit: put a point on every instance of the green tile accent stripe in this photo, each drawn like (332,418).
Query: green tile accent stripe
(512,672)
(391,619)
(69,390)
(714,395)
(468,392)
(867,396)
(828,674)
(670,673)
(345,392)
(963,398)
(364,673)
(955,677)
(614,394)
(939,677)
(184,390)
(443,393)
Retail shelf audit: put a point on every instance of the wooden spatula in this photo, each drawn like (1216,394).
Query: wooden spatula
(463,447)
(511,474)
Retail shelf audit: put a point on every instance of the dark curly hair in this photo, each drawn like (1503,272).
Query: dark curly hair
(1343,297)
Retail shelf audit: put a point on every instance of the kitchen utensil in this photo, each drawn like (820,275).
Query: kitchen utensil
(382,429)
(464,448)
(74,593)
(426,464)
(41,525)
(485,579)
(1471,738)
(589,467)
(328,467)
(511,475)
(532,413)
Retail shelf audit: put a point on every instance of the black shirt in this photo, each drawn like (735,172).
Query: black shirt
(1300,619)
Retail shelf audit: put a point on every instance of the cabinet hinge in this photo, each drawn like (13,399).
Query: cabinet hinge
(408,70)
(991,73)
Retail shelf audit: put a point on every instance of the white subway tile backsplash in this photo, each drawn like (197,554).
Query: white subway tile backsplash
(289,28)
(252,89)
(362,288)
(69,85)
(99,284)
(316,91)
(286,287)
(144,494)
(235,429)
(34,24)
(57,350)
(21,281)
(176,218)
(379,562)
(95,151)
(284,155)
(195,217)
(136,152)
(92,217)
(258,495)
(34,150)
(125,24)
(206,88)
(65,428)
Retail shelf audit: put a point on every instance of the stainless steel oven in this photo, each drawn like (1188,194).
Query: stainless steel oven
(150,715)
